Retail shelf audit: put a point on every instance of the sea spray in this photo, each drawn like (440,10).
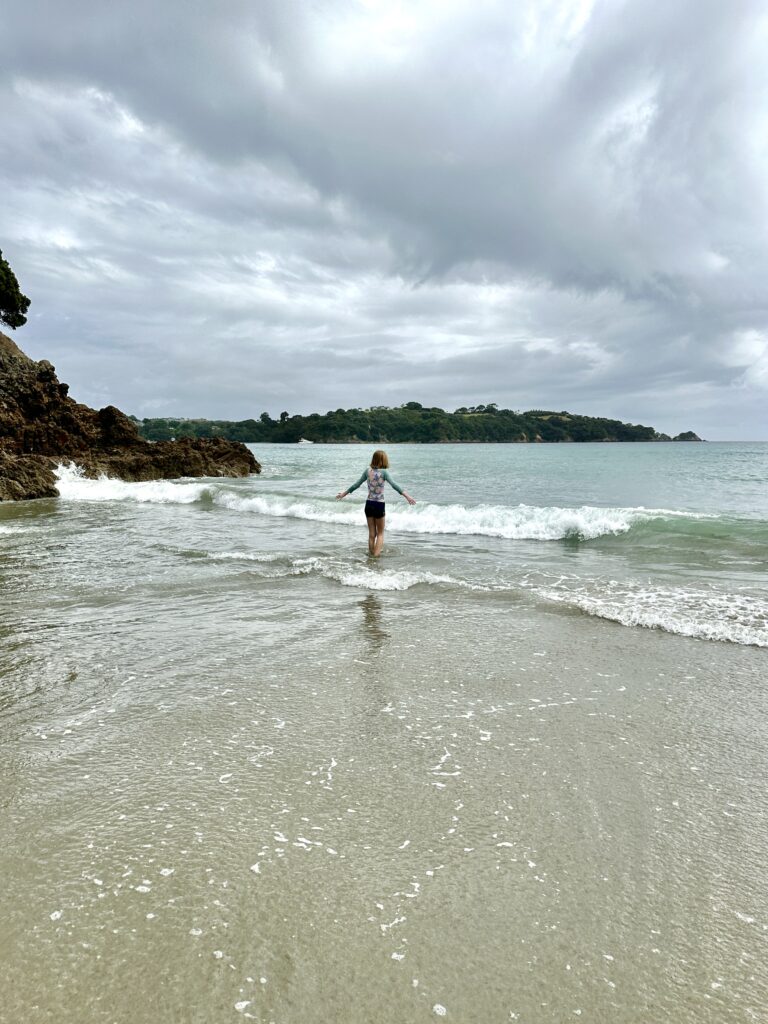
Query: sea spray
(73,485)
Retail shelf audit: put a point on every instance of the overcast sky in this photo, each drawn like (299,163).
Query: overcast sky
(228,207)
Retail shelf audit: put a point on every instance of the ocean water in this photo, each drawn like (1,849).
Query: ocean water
(514,770)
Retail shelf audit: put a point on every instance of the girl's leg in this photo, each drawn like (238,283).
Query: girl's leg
(371,534)
(379,537)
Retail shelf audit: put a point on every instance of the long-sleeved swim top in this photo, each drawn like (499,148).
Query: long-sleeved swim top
(375,478)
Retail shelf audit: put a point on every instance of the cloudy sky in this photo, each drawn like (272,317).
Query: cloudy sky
(220,208)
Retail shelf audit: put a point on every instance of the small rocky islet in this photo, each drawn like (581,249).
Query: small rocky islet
(42,427)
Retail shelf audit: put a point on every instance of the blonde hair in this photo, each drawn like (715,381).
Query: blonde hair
(379,460)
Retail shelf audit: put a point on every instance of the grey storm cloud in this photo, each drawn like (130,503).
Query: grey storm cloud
(219,209)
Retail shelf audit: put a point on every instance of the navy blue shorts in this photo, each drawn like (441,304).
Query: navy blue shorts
(374,509)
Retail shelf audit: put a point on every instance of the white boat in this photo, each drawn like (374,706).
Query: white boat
(303,440)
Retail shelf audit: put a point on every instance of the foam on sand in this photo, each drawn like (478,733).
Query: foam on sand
(346,572)
(701,613)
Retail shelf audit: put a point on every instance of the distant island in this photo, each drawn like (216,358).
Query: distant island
(411,423)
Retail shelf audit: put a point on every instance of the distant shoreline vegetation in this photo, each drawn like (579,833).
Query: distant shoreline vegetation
(411,423)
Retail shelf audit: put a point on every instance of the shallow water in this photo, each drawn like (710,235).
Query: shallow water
(249,773)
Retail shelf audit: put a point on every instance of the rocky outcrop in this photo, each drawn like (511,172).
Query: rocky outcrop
(41,426)
(26,476)
(687,435)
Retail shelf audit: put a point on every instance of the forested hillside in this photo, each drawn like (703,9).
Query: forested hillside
(410,423)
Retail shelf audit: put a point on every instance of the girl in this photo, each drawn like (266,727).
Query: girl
(376,474)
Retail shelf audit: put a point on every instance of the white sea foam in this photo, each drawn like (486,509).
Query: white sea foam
(347,573)
(704,614)
(73,485)
(374,578)
(521,522)
(240,556)
(511,522)
(699,613)
(290,508)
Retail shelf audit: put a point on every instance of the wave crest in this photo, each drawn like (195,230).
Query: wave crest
(509,522)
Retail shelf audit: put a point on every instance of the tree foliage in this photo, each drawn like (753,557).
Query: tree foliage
(411,422)
(13,305)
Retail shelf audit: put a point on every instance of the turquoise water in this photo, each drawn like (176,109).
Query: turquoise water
(666,536)
(513,770)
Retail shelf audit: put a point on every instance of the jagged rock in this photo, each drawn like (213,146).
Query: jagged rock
(26,476)
(40,426)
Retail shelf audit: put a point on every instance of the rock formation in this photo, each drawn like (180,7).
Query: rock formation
(40,427)
(687,435)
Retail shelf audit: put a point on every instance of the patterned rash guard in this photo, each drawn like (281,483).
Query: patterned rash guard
(375,478)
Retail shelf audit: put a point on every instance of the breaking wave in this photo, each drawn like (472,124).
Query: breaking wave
(510,522)
(704,611)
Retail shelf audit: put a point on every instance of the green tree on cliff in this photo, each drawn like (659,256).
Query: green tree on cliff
(13,305)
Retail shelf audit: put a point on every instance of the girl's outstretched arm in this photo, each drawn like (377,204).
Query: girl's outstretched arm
(398,488)
(354,486)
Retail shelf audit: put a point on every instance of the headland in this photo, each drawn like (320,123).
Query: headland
(41,427)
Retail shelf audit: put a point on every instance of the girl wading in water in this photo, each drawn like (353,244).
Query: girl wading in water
(376,474)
